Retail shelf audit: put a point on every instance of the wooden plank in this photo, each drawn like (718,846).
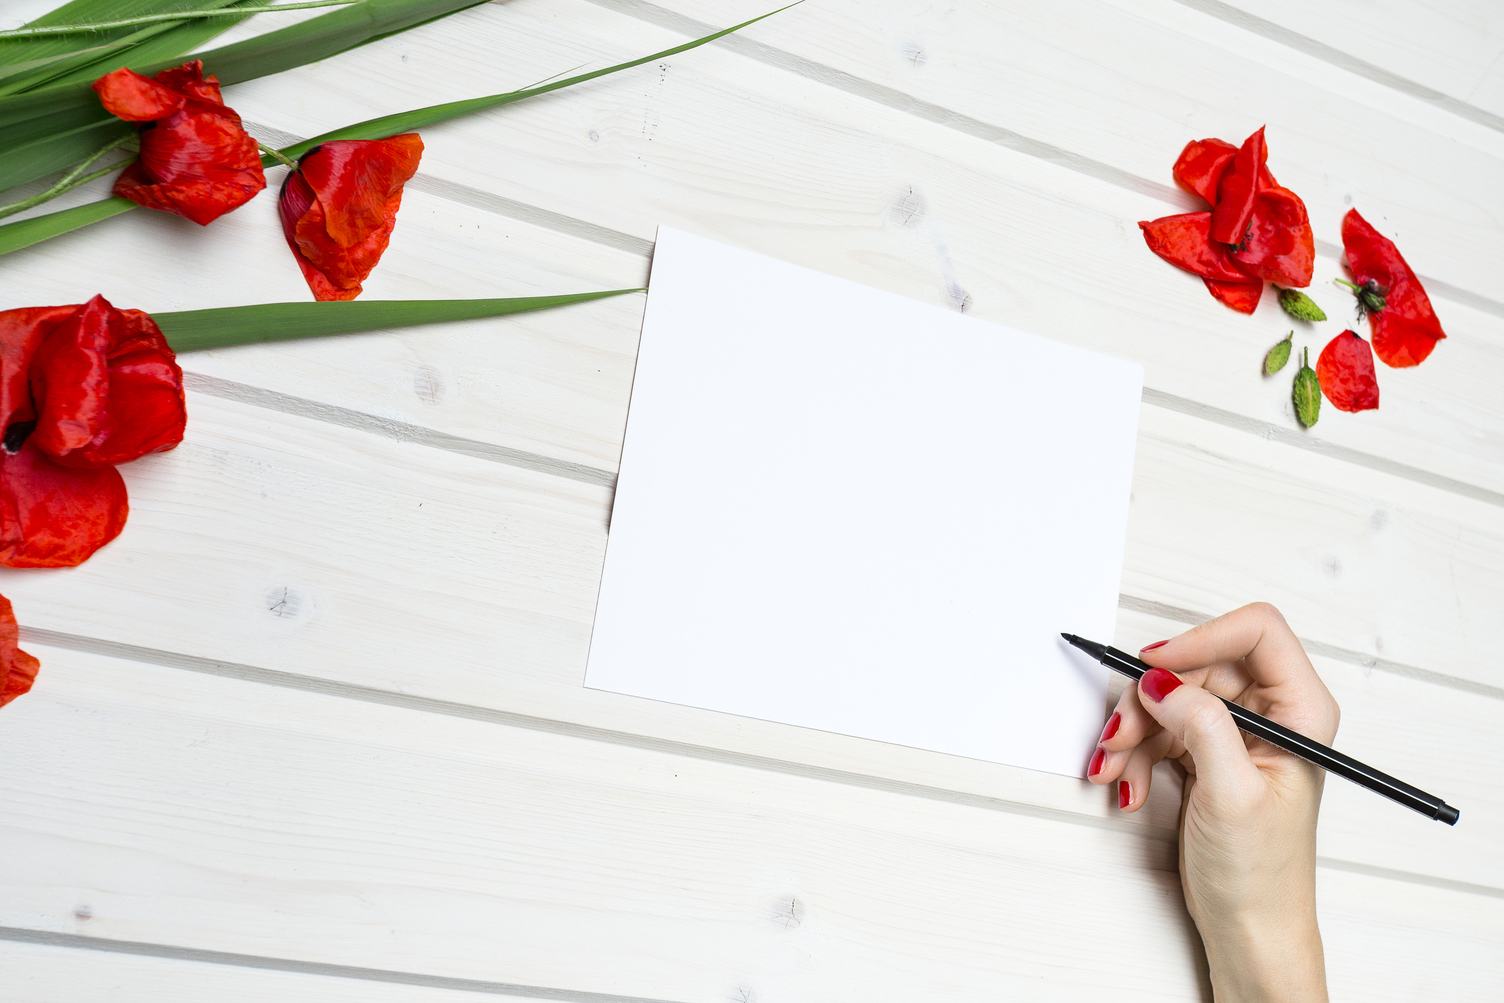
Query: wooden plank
(885,198)
(1453,48)
(287,544)
(47,973)
(1148,76)
(222,815)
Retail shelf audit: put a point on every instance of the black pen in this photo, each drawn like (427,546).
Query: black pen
(1311,751)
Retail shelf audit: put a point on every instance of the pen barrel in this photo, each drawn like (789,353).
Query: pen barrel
(1297,744)
(1333,761)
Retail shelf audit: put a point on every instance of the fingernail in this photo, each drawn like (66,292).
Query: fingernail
(1157,684)
(1156,644)
(1112,726)
(1125,794)
(1097,758)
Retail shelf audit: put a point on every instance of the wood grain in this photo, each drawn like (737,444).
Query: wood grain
(461,847)
(349,755)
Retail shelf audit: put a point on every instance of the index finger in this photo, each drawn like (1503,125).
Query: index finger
(1255,635)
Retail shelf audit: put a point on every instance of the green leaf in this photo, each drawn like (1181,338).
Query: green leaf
(23,50)
(24,233)
(221,327)
(406,121)
(1300,306)
(150,43)
(1276,357)
(1307,393)
(26,117)
(85,142)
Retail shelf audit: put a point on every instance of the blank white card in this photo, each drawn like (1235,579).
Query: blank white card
(842,509)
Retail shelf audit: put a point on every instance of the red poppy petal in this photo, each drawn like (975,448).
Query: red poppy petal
(21,331)
(1403,341)
(189,80)
(1279,245)
(53,516)
(1240,183)
(147,411)
(17,668)
(356,182)
(108,387)
(1406,331)
(1183,241)
(295,202)
(1200,165)
(70,379)
(128,95)
(1345,371)
(1241,296)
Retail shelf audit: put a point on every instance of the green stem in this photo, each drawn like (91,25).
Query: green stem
(277,155)
(1351,287)
(177,15)
(72,179)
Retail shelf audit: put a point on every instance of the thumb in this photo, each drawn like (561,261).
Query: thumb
(1202,723)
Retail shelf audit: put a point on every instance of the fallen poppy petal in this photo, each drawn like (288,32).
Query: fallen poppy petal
(53,516)
(17,669)
(1406,330)
(1279,245)
(1241,296)
(1345,370)
(1199,167)
(1241,180)
(1184,242)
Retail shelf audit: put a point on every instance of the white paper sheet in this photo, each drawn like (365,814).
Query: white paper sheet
(846,510)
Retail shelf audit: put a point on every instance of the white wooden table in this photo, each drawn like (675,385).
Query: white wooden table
(314,728)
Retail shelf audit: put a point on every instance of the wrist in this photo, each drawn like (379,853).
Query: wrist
(1255,958)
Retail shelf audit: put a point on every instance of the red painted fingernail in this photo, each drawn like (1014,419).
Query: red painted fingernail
(1125,794)
(1097,758)
(1157,684)
(1156,644)
(1112,726)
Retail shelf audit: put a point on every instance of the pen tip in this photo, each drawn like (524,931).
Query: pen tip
(1071,638)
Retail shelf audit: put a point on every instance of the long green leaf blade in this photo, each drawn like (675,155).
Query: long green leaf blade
(150,43)
(16,50)
(416,118)
(35,114)
(24,233)
(221,327)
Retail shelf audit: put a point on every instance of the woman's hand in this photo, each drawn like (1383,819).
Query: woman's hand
(1248,819)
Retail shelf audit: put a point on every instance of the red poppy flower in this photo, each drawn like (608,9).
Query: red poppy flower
(1345,371)
(339,207)
(1400,315)
(82,388)
(196,160)
(1256,229)
(17,668)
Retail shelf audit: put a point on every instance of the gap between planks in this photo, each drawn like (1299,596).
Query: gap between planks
(1291,39)
(22,935)
(258,675)
(897,100)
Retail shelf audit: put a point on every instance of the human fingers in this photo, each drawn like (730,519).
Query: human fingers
(1138,772)
(1200,721)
